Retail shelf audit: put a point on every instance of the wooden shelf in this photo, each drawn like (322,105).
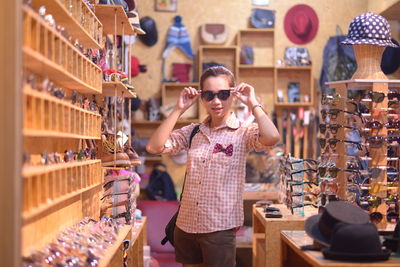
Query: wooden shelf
(89,34)
(242,66)
(108,14)
(359,84)
(29,215)
(117,89)
(45,186)
(28,171)
(257,30)
(57,57)
(308,67)
(116,249)
(48,116)
(297,104)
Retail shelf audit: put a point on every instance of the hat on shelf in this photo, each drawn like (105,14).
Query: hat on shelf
(391,58)
(149,26)
(320,227)
(301,24)
(178,36)
(133,18)
(369,28)
(356,242)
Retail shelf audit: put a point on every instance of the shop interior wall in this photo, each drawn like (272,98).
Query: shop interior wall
(236,15)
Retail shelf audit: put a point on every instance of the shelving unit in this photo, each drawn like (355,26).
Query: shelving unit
(57,118)
(116,89)
(80,20)
(47,51)
(225,55)
(262,41)
(114,256)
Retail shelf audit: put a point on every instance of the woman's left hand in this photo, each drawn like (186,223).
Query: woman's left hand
(245,93)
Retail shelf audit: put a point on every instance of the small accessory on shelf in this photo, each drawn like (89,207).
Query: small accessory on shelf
(149,26)
(297,56)
(271,209)
(216,33)
(370,29)
(262,18)
(247,55)
(273,214)
(180,71)
(293,92)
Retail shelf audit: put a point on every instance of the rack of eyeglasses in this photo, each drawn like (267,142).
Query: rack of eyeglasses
(299,183)
(360,137)
(47,50)
(87,243)
(79,17)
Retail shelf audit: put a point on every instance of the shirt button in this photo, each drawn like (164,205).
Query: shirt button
(204,160)
(199,182)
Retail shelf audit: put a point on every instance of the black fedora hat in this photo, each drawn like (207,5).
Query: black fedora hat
(320,227)
(149,26)
(390,59)
(392,242)
(354,242)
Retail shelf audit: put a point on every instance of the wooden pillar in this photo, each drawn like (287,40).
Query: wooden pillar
(11,133)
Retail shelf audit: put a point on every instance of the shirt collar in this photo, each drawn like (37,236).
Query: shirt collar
(232,122)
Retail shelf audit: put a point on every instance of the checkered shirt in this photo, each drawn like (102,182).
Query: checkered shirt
(213,196)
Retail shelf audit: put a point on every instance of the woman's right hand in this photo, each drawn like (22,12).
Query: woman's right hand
(186,99)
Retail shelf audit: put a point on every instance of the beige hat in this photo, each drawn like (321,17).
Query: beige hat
(133,17)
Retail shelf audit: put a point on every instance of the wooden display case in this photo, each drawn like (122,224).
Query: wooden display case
(47,51)
(225,55)
(262,42)
(48,116)
(80,20)
(114,20)
(298,74)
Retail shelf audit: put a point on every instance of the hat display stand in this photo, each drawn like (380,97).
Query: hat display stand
(368,59)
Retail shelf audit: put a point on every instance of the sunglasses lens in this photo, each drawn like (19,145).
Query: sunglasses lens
(224,94)
(392,217)
(392,174)
(322,142)
(374,172)
(321,171)
(374,125)
(376,217)
(323,114)
(322,128)
(207,95)
(334,128)
(374,202)
(333,172)
(377,97)
(333,142)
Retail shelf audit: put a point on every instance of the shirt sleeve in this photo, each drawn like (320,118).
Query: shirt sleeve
(253,140)
(178,140)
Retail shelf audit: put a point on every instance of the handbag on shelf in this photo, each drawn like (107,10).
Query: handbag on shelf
(216,33)
(115,3)
(297,56)
(262,18)
(170,227)
(247,55)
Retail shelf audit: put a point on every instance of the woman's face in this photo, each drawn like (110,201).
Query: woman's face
(216,107)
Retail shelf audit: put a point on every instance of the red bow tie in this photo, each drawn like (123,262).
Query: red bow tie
(219,148)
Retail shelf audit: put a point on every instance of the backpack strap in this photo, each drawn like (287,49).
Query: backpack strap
(195,130)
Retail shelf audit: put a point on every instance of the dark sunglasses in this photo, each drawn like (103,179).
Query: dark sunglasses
(334,128)
(221,94)
(333,141)
(378,141)
(332,99)
(333,171)
(334,112)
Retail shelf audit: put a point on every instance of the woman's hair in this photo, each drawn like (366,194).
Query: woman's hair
(215,72)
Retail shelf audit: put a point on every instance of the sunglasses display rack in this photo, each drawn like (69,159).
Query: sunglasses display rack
(46,116)
(366,101)
(47,51)
(78,17)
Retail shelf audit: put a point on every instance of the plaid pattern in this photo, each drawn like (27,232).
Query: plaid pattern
(212,199)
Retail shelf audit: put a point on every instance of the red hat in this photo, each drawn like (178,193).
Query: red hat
(134,66)
(301,24)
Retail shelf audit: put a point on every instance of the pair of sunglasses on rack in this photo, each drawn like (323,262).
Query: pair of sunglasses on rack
(333,171)
(334,112)
(333,141)
(391,173)
(334,128)
(221,94)
(378,97)
(392,124)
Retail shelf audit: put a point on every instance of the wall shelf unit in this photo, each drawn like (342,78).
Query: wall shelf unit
(262,41)
(80,20)
(116,89)
(225,55)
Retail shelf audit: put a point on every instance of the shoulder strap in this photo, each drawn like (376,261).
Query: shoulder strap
(195,130)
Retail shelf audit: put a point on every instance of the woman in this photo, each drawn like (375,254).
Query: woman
(212,205)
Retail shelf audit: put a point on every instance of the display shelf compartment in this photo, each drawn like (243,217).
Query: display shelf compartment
(80,21)
(47,51)
(262,79)
(114,254)
(262,42)
(108,15)
(225,55)
(170,93)
(47,116)
(48,185)
(301,75)
(116,89)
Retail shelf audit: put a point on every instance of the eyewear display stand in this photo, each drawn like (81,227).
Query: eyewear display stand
(293,255)
(368,77)
(266,246)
